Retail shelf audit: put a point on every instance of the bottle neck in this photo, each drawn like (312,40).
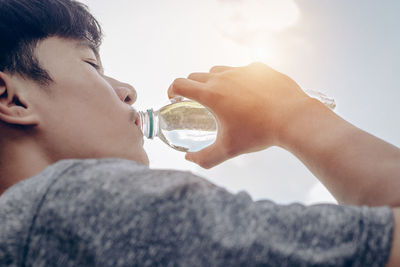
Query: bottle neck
(149,123)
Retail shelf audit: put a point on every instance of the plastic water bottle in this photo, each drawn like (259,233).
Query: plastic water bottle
(188,126)
(184,125)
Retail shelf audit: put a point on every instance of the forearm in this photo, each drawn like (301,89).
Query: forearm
(355,166)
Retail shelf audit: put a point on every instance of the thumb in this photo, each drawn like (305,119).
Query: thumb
(187,88)
(207,157)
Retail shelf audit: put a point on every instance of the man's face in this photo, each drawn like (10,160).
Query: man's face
(84,114)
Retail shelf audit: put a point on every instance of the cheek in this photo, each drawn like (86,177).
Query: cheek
(87,99)
(89,105)
(91,91)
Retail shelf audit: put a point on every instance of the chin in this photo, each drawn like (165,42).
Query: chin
(140,156)
(146,161)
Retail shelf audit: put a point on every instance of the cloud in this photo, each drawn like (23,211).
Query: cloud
(254,21)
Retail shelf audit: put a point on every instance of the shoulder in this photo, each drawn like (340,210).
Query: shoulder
(116,176)
(110,205)
(90,187)
(72,184)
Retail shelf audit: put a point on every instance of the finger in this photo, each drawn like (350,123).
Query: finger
(208,157)
(187,88)
(218,69)
(199,77)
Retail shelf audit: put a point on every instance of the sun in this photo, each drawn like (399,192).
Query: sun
(253,23)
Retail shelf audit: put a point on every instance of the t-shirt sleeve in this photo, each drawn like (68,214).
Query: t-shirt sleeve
(115,213)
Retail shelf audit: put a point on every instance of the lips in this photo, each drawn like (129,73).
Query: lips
(135,117)
(137,120)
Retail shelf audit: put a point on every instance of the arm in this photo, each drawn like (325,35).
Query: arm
(355,166)
(258,107)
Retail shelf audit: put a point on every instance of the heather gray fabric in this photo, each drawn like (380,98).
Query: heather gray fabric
(114,212)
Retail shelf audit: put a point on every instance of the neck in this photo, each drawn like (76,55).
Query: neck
(19,161)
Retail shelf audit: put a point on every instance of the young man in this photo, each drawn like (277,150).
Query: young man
(76,189)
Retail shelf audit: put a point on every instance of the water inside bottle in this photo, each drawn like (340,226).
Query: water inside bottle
(187,126)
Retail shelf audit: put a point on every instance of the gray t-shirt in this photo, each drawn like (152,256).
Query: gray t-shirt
(113,212)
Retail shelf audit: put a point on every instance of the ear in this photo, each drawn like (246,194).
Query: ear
(14,109)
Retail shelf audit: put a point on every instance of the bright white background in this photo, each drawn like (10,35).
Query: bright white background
(347,49)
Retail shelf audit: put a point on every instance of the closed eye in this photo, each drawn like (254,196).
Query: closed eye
(94,65)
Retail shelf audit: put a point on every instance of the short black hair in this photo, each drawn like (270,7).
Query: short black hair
(23,23)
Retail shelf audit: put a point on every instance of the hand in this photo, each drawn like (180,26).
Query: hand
(251,104)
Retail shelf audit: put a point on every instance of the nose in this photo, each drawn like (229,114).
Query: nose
(125,91)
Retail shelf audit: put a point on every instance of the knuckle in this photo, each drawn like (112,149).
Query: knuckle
(218,68)
(260,66)
(193,75)
(214,68)
(176,85)
(257,64)
(177,81)
(226,79)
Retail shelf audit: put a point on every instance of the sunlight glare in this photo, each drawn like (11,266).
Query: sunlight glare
(253,23)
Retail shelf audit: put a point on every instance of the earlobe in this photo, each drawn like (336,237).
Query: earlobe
(2,87)
(13,109)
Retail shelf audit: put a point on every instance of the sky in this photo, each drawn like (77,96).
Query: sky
(347,49)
